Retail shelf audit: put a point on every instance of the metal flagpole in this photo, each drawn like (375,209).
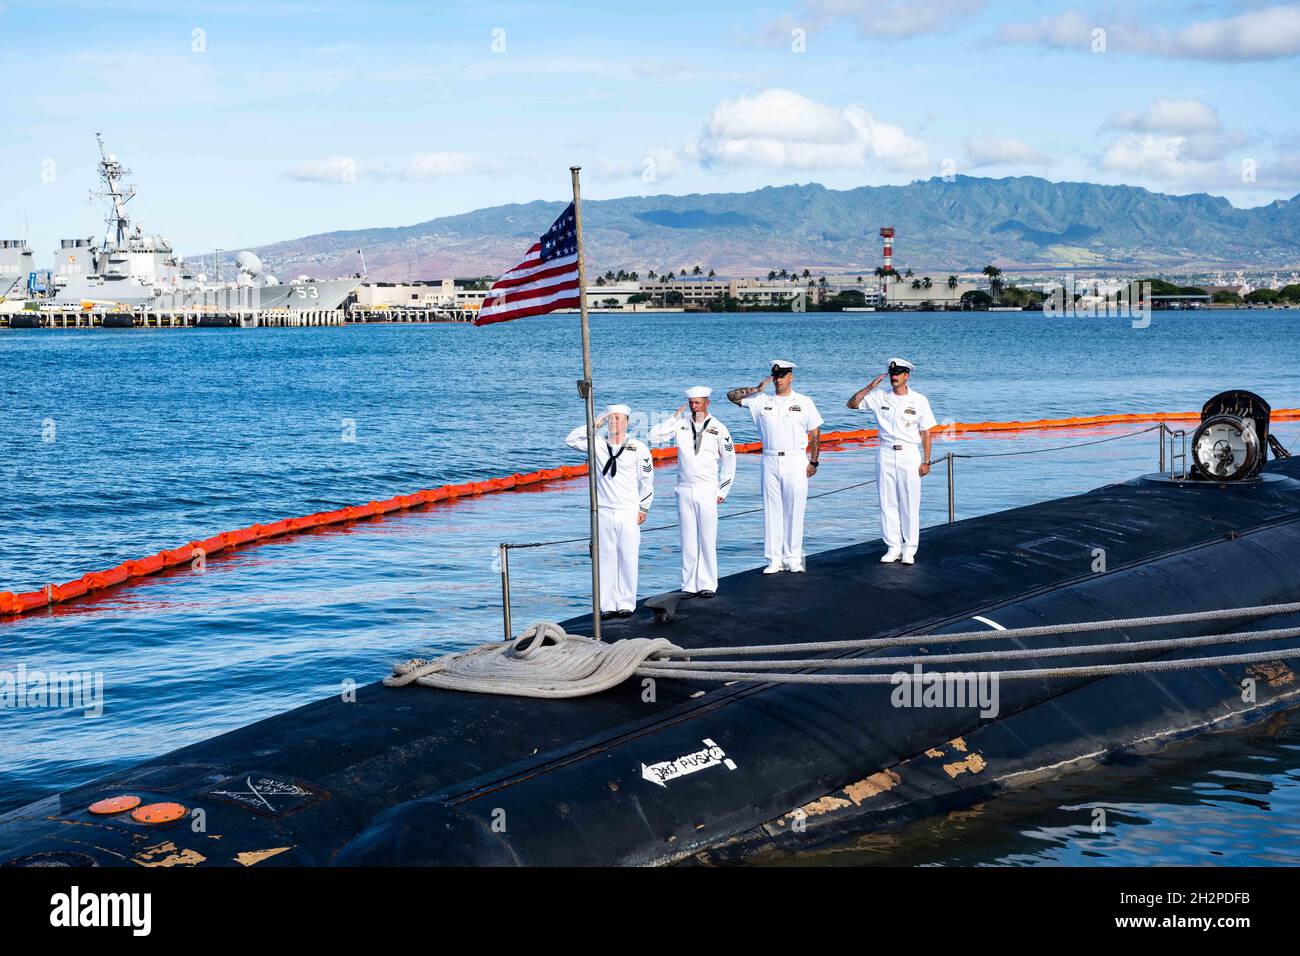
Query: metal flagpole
(585,390)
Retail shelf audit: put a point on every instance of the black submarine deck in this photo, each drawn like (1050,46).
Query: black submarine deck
(420,776)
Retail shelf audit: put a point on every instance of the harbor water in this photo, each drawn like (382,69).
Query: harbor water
(119,443)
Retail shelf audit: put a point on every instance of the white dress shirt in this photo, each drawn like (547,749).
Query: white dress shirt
(714,465)
(630,484)
(899,418)
(783,421)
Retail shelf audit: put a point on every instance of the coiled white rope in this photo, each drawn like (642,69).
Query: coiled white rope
(543,661)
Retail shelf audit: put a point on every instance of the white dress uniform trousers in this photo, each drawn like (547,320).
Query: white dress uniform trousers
(900,420)
(706,468)
(783,423)
(624,488)
(899,480)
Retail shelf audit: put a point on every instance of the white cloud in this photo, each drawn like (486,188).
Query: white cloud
(334,169)
(421,166)
(1152,156)
(1265,34)
(1282,172)
(1070,30)
(1003,151)
(874,18)
(1169,116)
(1172,141)
(783,130)
(655,166)
(438,165)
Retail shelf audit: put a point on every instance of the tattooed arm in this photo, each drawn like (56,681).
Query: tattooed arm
(814,450)
(738,395)
(861,393)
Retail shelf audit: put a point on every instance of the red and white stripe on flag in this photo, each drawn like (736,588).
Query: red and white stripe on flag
(546,280)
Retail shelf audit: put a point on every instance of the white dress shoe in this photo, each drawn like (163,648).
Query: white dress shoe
(890,556)
(908,558)
(795,567)
(773,569)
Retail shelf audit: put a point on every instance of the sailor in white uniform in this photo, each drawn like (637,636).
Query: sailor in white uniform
(790,428)
(625,488)
(706,467)
(904,420)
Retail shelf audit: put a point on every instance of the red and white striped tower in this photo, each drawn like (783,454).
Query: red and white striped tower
(887,237)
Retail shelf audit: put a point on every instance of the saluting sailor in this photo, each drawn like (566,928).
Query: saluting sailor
(625,487)
(904,420)
(787,423)
(706,466)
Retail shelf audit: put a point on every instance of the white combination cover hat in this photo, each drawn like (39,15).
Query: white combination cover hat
(618,410)
(901,363)
(783,363)
(699,391)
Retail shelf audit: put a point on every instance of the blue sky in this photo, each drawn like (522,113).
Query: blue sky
(246,122)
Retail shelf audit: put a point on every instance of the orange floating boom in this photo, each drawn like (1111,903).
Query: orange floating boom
(22,603)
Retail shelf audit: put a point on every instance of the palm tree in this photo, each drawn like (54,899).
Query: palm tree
(952,282)
(771,274)
(683,273)
(651,274)
(697,271)
(712,273)
(916,283)
(782,274)
(807,274)
(995,281)
(926,283)
(908,273)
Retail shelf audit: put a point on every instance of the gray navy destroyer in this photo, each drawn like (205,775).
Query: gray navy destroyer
(130,271)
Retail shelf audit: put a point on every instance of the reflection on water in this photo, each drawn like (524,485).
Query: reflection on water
(1230,798)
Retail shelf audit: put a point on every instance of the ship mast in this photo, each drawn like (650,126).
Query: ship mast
(116,192)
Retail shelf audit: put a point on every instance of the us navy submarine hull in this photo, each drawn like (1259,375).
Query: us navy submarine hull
(402,776)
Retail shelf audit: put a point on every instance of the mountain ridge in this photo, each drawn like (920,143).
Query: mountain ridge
(957,225)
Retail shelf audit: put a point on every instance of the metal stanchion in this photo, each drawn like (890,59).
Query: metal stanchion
(505,590)
(1161,434)
(952,490)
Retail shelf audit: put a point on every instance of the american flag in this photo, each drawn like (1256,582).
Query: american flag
(546,280)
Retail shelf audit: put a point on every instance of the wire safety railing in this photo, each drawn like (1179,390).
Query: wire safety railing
(948,460)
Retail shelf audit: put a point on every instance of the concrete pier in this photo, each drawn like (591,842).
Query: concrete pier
(240,319)
(418,316)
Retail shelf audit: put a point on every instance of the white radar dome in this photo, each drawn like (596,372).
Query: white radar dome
(248,264)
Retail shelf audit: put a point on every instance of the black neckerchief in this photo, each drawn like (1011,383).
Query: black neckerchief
(698,436)
(611,466)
